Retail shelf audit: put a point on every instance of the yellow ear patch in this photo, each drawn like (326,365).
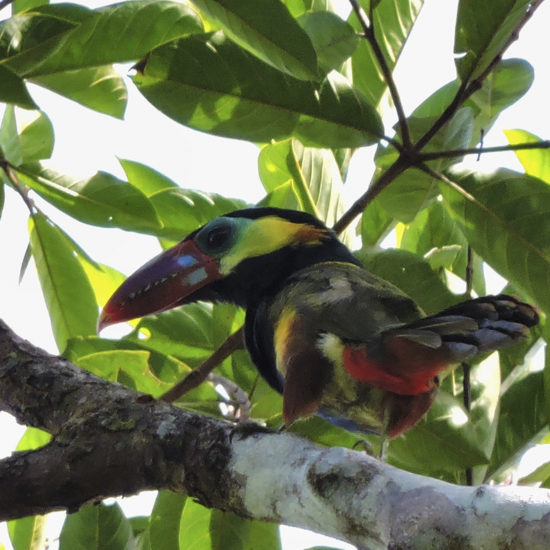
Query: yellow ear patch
(266,235)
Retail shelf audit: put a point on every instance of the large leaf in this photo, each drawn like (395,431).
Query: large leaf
(13,89)
(99,88)
(213,85)
(130,367)
(179,210)
(10,142)
(114,34)
(535,162)
(28,533)
(164,523)
(312,174)
(67,291)
(267,30)
(523,414)
(97,527)
(412,274)
(101,200)
(509,81)
(505,219)
(434,232)
(36,138)
(190,332)
(482,30)
(393,21)
(334,40)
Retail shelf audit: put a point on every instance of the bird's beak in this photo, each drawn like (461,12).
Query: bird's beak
(160,284)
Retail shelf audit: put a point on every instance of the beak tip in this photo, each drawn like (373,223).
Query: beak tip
(103,321)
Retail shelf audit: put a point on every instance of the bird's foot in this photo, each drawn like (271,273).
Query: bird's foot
(248,428)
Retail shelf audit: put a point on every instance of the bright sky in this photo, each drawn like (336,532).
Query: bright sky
(87,142)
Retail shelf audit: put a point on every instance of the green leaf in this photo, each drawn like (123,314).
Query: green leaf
(523,414)
(541,474)
(13,89)
(535,162)
(266,29)
(229,531)
(267,533)
(482,30)
(393,21)
(210,84)
(194,330)
(33,438)
(507,83)
(183,210)
(433,231)
(180,210)
(28,533)
(99,88)
(195,527)
(130,367)
(102,200)
(22,5)
(412,274)
(505,218)
(164,523)
(97,527)
(312,173)
(334,40)
(376,223)
(145,178)
(67,291)
(36,137)
(114,34)
(408,195)
(10,141)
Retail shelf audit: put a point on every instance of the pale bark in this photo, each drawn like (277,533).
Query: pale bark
(109,440)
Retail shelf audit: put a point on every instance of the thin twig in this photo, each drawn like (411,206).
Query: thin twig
(399,166)
(370,36)
(544,144)
(198,375)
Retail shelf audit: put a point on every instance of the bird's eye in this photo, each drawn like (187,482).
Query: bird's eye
(218,237)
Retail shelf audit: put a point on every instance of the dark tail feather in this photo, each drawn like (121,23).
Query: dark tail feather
(476,326)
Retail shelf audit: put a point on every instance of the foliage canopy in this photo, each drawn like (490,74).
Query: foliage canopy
(310,87)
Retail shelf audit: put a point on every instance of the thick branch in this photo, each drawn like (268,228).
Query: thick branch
(109,440)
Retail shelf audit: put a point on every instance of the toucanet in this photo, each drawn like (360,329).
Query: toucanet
(333,338)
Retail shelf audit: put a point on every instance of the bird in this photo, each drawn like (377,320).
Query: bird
(334,339)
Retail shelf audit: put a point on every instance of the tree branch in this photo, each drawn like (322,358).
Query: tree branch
(370,36)
(399,166)
(108,441)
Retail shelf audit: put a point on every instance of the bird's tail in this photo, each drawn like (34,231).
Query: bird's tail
(408,358)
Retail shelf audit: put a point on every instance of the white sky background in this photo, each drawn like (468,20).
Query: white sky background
(87,142)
